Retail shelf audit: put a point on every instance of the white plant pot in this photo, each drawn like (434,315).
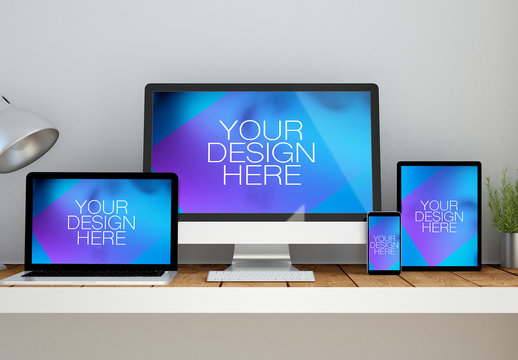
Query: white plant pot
(509,250)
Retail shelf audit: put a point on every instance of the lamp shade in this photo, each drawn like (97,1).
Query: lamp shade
(24,137)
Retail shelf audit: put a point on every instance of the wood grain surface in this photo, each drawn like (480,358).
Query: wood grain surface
(346,276)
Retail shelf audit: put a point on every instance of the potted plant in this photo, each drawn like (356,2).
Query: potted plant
(503,204)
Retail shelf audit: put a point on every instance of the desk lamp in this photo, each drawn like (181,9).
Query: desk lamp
(24,138)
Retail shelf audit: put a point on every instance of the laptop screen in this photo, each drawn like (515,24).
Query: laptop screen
(101,221)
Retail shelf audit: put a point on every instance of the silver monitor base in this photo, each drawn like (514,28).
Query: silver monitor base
(261,258)
(261,263)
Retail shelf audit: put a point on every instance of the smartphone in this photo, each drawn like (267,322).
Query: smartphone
(384,243)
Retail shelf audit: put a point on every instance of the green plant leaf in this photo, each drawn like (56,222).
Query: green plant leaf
(503,203)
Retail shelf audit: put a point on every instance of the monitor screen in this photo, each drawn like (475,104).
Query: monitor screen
(266,152)
(101,221)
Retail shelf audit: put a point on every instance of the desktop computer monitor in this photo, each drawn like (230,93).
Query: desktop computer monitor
(263,166)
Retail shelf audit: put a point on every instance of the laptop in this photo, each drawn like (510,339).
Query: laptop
(100,229)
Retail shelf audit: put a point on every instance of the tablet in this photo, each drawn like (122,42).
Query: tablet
(440,205)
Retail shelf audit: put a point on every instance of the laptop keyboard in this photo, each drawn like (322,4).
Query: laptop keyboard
(96,273)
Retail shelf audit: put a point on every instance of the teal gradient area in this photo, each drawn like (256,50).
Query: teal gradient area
(358,191)
(345,195)
(371,267)
(463,255)
(183,107)
(48,191)
(155,252)
(180,210)
(349,195)
(362,185)
(396,266)
(374,220)
(410,254)
(414,176)
(39,256)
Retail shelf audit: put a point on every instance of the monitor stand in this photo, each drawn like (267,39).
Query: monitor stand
(261,262)
(272,257)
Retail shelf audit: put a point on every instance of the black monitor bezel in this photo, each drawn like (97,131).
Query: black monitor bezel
(173,266)
(222,217)
(476,164)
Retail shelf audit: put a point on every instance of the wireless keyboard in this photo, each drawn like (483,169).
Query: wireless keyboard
(261,276)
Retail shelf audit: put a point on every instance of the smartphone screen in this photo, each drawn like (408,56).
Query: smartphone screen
(384,243)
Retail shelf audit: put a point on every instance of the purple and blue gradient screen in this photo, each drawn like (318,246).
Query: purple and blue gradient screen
(439,215)
(101,221)
(384,243)
(266,152)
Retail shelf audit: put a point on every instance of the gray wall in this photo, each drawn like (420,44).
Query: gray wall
(447,72)
(258,336)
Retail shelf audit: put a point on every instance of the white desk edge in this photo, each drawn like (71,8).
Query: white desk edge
(257,300)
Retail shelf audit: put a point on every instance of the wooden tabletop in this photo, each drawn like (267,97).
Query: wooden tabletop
(346,276)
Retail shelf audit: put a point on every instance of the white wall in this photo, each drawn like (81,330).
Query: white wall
(447,72)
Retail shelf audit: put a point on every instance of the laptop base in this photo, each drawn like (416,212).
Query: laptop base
(18,279)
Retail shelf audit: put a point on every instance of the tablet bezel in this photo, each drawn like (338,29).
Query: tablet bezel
(477,164)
